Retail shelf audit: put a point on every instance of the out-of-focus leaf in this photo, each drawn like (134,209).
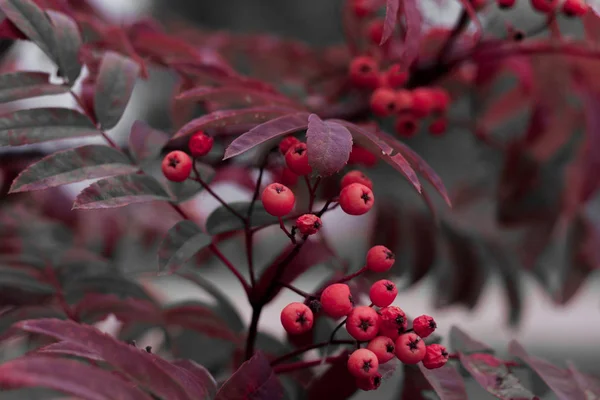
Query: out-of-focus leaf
(588,384)
(145,142)
(201,375)
(25,84)
(68,376)
(70,349)
(72,165)
(104,282)
(392,7)
(182,241)
(328,144)
(67,43)
(183,191)
(114,86)
(11,316)
(413,384)
(266,131)
(198,317)
(446,382)
(42,125)
(559,380)
(228,96)
(254,380)
(461,342)
(222,220)
(96,307)
(336,383)
(120,191)
(423,237)
(414,23)
(19,288)
(510,275)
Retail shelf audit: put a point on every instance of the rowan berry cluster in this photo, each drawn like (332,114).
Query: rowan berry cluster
(177,165)
(570,8)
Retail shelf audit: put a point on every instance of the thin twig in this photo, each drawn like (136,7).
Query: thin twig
(230,266)
(304,349)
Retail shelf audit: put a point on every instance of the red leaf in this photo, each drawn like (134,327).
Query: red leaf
(392,7)
(8,30)
(588,384)
(274,128)
(70,349)
(228,96)
(136,364)
(200,374)
(67,376)
(460,341)
(446,382)
(591,156)
(329,145)
(254,380)
(413,384)
(198,318)
(414,22)
(25,84)
(145,142)
(336,383)
(559,380)
(96,306)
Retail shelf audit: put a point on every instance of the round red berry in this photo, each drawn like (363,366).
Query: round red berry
(336,300)
(278,200)
(545,6)
(396,76)
(363,363)
(364,72)
(383,347)
(439,126)
(383,293)
(308,224)
(286,143)
(441,100)
(423,102)
(410,348)
(574,8)
(504,4)
(360,155)
(424,325)
(363,323)
(375,31)
(200,144)
(370,383)
(362,8)
(176,166)
(404,101)
(406,125)
(287,177)
(380,258)
(356,177)
(393,322)
(356,199)
(296,318)
(296,159)
(436,356)
(383,102)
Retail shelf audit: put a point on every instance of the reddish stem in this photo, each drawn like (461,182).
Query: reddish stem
(216,196)
(231,267)
(282,369)
(304,349)
(296,290)
(285,230)
(352,276)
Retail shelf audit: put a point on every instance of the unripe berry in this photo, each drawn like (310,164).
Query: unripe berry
(410,348)
(308,224)
(383,347)
(296,159)
(176,166)
(286,143)
(364,72)
(406,125)
(375,31)
(360,155)
(404,100)
(362,8)
(363,363)
(424,325)
(439,126)
(423,102)
(336,300)
(436,356)
(356,176)
(383,293)
(200,144)
(356,199)
(380,258)
(296,318)
(278,200)
(545,6)
(370,383)
(574,8)
(363,323)
(393,322)
(383,102)
(504,4)
(396,76)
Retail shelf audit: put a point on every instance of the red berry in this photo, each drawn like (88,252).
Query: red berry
(396,76)
(406,125)
(364,72)
(296,159)
(356,199)
(383,347)
(424,325)
(336,300)
(436,356)
(439,126)
(362,8)
(363,363)
(383,293)
(545,6)
(278,200)
(286,143)
(423,102)
(506,3)
(296,318)
(375,31)
(380,258)
(441,100)
(393,322)
(370,383)
(410,348)
(356,176)
(383,102)
(363,323)
(360,155)
(308,224)
(404,100)
(200,144)
(176,166)
(574,8)
(287,177)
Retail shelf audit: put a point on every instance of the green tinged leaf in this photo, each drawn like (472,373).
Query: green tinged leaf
(119,191)
(15,278)
(222,220)
(145,142)
(26,84)
(38,125)
(116,80)
(182,241)
(72,165)
(67,44)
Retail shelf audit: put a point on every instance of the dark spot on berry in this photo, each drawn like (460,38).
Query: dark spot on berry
(399,320)
(279,189)
(412,345)
(364,325)
(376,381)
(389,255)
(518,36)
(389,286)
(299,150)
(316,225)
(432,324)
(408,126)
(366,198)
(149,349)
(173,162)
(444,353)
(301,318)
(391,106)
(351,300)
(389,348)
(365,69)
(366,366)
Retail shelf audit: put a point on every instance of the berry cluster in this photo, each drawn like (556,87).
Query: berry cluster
(380,330)
(177,165)
(570,8)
